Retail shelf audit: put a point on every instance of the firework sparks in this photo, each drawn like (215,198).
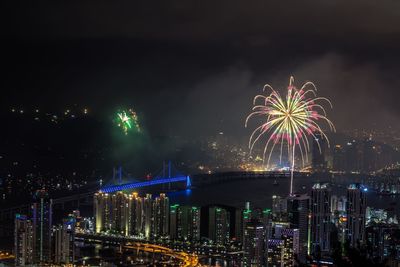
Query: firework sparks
(128,121)
(290,121)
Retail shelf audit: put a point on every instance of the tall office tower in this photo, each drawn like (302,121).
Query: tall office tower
(319,146)
(42,225)
(219,225)
(238,225)
(120,213)
(320,218)
(277,228)
(284,240)
(135,215)
(64,241)
(246,217)
(275,249)
(102,211)
(184,223)
(148,218)
(23,240)
(279,208)
(242,216)
(162,216)
(266,220)
(266,216)
(254,244)
(298,216)
(356,207)
(290,239)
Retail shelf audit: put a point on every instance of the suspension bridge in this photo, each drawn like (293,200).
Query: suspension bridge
(164,177)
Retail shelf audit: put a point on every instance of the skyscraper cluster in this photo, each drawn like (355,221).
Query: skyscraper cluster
(297,229)
(37,241)
(267,241)
(146,217)
(360,156)
(301,228)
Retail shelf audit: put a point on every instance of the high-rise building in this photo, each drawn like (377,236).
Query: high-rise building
(283,246)
(184,223)
(298,216)
(242,216)
(279,208)
(120,213)
(148,212)
(132,215)
(266,220)
(42,225)
(64,241)
(290,239)
(176,222)
(194,224)
(23,241)
(135,215)
(219,225)
(275,250)
(161,206)
(102,211)
(320,218)
(356,207)
(254,244)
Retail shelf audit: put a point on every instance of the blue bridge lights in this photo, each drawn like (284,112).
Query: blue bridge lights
(114,188)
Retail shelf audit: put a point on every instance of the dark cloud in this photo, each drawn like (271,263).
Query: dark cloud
(192,67)
(208,21)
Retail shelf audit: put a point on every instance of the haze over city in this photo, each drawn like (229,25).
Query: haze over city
(130,98)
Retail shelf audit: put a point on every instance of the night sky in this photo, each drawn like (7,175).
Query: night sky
(191,68)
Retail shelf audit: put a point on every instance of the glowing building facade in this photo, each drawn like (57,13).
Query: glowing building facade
(320,218)
(161,208)
(298,217)
(23,241)
(119,202)
(356,209)
(102,211)
(254,244)
(64,242)
(219,225)
(42,225)
(135,215)
(148,216)
(184,223)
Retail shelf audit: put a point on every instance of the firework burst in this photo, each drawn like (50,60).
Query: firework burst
(289,122)
(128,120)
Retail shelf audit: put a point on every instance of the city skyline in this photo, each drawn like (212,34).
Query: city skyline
(228,133)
